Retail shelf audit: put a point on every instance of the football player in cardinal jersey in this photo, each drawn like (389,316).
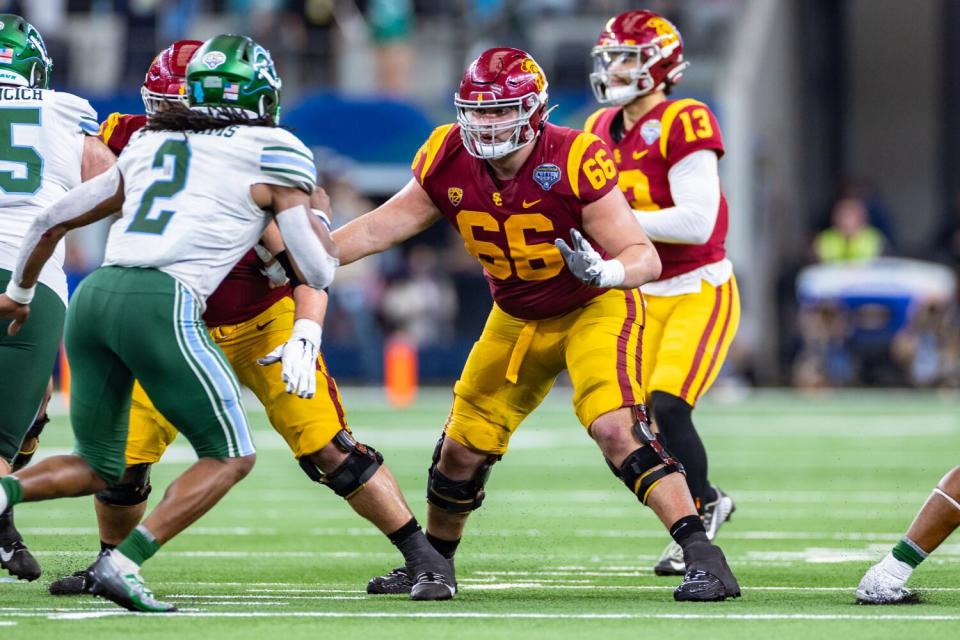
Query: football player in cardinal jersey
(518,188)
(247,319)
(41,163)
(667,153)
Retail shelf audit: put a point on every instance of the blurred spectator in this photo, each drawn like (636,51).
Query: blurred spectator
(927,348)
(948,236)
(824,359)
(391,27)
(850,236)
(423,305)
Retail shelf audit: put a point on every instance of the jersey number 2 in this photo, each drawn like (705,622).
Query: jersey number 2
(164,188)
(27,156)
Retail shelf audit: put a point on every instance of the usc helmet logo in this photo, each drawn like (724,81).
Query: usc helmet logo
(533,68)
(667,32)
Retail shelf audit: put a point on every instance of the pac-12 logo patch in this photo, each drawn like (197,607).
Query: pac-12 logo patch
(455,194)
(650,131)
(546,175)
(214,59)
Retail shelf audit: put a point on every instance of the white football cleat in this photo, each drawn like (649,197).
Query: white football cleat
(880,586)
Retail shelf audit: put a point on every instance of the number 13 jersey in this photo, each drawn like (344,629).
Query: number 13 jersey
(188,210)
(510,225)
(664,136)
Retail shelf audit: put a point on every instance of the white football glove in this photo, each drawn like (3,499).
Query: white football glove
(298,358)
(271,267)
(587,265)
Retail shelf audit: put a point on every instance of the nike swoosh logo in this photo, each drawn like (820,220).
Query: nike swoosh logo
(6,555)
(639,154)
(261,327)
(527,205)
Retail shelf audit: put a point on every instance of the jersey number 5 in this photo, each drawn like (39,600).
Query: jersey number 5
(165,188)
(32,177)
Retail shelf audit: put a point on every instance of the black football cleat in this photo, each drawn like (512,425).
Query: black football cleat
(708,577)
(433,586)
(77,583)
(395,582)
(14,555)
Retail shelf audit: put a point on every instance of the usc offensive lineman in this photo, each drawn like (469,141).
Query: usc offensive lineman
(516,188)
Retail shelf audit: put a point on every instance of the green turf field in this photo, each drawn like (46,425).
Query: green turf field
(824,486)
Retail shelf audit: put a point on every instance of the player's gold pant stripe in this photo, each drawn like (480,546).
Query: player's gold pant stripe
(702,345)
(731,296)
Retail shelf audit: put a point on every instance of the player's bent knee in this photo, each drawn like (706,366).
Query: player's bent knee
(457,496)
(352,474)
(644,468)
(668,409)
(132,489)
(241,466)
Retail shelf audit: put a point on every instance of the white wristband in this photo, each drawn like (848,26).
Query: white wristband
(308,330)
(320,213)
(612,274)
(19,294)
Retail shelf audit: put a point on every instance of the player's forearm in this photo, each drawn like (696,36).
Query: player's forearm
(312,258)
(356,241)
(310,304)
(695,189)
(641,265)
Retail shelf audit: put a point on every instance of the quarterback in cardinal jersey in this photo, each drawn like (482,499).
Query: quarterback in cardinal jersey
(667,153)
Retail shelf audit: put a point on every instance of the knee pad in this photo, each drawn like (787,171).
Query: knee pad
(457,496)
(353,473)
(25,454)
(668,408)
(132,489)
(639,469)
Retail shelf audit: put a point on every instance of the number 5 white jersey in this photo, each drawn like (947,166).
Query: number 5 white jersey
(41,152)
(188,210)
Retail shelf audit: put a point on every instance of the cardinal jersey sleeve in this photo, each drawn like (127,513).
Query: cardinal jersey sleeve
(590,168)
(426,156)
(689,126)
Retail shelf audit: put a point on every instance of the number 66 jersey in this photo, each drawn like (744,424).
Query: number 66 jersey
(41,152)
(510,225)
(188,210)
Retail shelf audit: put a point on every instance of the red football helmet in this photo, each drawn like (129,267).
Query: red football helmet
(501,79)
(165,80)
(637,53)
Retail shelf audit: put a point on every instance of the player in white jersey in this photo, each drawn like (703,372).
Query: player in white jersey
(48,145)
(197,189)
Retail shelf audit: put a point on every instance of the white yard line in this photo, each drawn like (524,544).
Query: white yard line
(451,615)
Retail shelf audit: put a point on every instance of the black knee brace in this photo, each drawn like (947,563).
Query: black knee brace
(351,475)
(23,457)
(132,489)
(457,496)
(639,470)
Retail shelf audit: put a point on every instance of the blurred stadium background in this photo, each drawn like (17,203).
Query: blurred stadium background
(840,118)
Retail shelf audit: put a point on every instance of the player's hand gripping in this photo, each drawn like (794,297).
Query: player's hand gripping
(587,264)
(14,310)
(298,358)
(271,267)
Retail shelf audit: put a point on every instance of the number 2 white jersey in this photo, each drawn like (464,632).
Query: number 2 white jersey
(188,210)
(41,152)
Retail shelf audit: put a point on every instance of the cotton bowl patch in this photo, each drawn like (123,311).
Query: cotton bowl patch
(547,175)
(650,131)
(214,59)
